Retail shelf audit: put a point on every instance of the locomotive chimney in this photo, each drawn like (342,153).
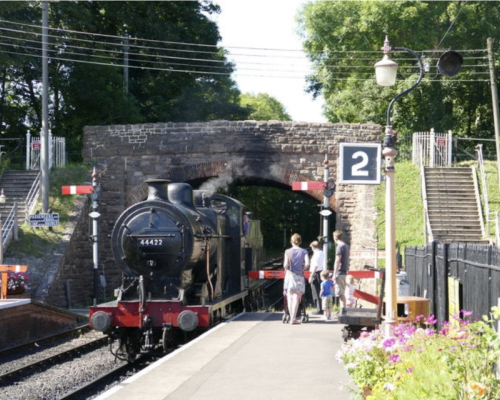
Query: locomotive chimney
(158,189)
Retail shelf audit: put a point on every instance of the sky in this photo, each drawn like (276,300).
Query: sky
(257,33)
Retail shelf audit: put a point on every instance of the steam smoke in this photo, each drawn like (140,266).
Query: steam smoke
(220,182)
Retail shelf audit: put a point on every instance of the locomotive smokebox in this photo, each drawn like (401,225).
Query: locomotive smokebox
(158,189)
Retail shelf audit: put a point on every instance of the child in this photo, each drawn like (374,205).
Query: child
(349,291)
(326,293)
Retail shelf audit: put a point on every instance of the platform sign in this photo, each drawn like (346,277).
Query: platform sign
(45,219)
(441,141)
(360,163)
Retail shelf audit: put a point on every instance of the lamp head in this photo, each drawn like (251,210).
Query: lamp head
(450,63)
(385,71)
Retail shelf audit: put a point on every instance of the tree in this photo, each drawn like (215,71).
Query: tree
(176,71)
(263,107)
(343,40)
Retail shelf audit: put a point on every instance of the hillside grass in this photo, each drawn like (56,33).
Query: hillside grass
(37,242)
(409,208)
(409,213)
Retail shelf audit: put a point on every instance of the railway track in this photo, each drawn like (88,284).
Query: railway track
(75,365)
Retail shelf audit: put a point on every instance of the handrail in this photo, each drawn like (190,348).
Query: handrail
(478,200)
(497,226)
(9,228)
(480,162)
(32,196)
(427,223)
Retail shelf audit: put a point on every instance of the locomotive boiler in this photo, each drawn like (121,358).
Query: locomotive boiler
(184,255)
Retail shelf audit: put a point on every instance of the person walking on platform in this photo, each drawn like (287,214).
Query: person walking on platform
(317,262)
(326,293)
(296,260)
(341,266)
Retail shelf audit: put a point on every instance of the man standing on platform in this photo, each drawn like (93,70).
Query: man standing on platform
(317,262)
(341,266)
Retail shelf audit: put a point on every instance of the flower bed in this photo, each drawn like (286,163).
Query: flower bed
(17,282)
(456,362)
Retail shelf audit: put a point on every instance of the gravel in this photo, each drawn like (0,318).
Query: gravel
(59,379)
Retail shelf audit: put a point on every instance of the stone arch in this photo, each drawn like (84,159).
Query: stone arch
(230,171)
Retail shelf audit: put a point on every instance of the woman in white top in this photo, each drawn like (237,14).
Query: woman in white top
(296,260)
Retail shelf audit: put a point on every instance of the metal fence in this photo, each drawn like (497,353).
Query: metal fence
(433,149)
(454,277)
(57,151)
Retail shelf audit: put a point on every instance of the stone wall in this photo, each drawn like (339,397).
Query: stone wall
(26,322)
(274,152)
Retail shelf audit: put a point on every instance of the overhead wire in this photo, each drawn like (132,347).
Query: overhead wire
(62,52)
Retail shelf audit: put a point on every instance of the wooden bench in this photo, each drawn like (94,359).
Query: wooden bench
(4,270)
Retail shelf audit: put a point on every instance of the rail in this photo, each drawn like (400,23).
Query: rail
(478,201)
(429,237)
(9,229)
(484,187)
(32,196)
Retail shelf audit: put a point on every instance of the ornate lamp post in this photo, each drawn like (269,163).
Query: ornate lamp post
(449,64)
(385,71)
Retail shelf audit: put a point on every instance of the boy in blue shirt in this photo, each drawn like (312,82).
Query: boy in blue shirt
(326,293)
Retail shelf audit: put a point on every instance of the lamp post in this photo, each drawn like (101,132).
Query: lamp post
(385,71)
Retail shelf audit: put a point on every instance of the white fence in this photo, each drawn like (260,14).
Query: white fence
(57,151)
(432,149)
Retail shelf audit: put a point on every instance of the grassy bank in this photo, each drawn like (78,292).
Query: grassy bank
(409,213)
(39,242)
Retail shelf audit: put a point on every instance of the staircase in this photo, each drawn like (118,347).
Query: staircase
(453,206)
(18,188)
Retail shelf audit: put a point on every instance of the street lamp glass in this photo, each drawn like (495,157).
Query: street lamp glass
(385,71)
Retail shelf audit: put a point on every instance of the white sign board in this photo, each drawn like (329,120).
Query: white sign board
(38,220)
(360,163)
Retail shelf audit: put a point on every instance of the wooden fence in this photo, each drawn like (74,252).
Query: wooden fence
(455,276)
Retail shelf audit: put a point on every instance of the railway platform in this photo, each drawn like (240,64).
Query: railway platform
(253,356)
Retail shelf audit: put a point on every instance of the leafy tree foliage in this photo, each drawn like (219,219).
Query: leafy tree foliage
(281,213)
(169,78)
(343,39)
(264,107)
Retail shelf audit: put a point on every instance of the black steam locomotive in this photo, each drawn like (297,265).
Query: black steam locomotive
(185,256)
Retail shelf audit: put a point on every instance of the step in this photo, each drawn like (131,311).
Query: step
(451,197)
(458,222)
(484,242)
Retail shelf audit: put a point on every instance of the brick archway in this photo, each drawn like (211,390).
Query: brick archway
(282,152)
(227,172)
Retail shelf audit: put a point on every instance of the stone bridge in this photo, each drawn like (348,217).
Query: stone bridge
(267,153)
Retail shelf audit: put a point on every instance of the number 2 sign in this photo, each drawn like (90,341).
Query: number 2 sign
(360,163)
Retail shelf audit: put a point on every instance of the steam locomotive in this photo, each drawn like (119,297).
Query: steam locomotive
(185,256)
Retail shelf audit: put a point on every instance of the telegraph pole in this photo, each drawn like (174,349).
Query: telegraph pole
(494,102)
(44,150)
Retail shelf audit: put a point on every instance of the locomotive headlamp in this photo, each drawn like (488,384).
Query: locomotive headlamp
(187,320)
(100,321)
